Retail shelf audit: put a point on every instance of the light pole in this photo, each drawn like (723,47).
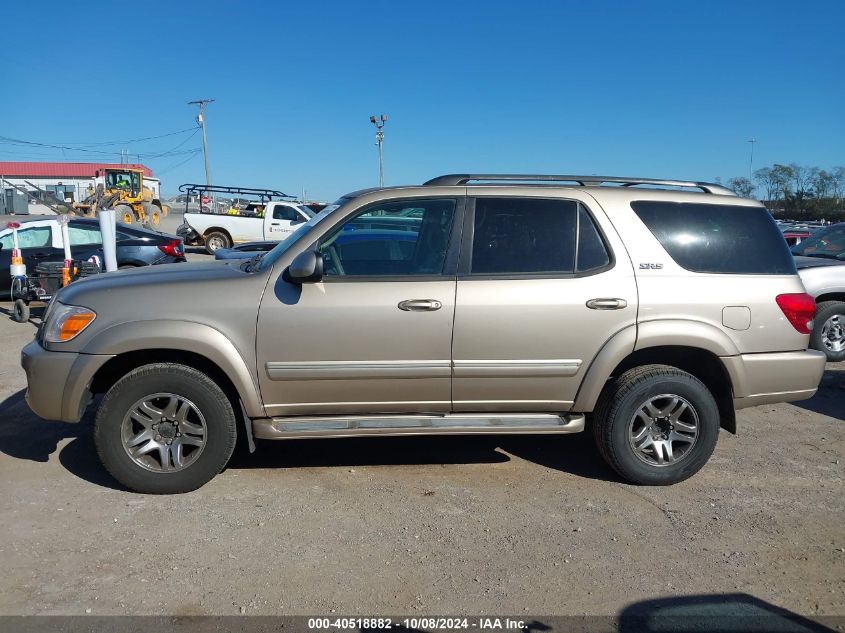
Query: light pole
(201,120)
(379,123)
(751,160)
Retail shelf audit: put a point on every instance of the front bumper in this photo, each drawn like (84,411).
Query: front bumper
(774,377)
(58,383)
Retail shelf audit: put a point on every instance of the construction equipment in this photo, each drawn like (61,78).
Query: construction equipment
(123,190)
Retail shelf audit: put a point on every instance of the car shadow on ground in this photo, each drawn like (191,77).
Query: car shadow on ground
(23,435)
(718,613)
(830,398)
(26,436)
(574,454)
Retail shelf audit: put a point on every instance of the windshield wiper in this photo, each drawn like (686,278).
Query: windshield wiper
(823,255)
(252,263)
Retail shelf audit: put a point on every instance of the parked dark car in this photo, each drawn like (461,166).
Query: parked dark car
(41,241)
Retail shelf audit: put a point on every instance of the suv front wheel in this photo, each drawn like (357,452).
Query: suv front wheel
(165,428)
(656,425)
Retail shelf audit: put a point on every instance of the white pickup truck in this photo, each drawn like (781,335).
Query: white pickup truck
(272,221)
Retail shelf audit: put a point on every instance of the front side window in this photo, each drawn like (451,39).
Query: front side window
(391,239)
(285,213)
(84,235)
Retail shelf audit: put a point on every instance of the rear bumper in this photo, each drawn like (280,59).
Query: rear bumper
(188,234)
(58,383)
(776,377)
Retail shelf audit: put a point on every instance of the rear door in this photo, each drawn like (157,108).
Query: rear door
(543,284)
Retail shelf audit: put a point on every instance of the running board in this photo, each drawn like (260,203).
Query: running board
(447,424)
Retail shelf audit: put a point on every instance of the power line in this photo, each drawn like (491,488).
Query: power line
(170,168)
(135,140)
(83,146)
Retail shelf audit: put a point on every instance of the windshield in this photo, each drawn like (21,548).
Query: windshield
(308,212)
(829,243)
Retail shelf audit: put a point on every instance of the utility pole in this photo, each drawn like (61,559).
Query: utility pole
(201,120)
(379,123)
(751,160)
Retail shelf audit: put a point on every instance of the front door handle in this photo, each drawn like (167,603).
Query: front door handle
(420,305)
(607,304)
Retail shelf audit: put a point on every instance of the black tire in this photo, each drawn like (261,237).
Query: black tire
(124,213)
(615,416)
(20,311)
(184,382)
(827,332)
(215,240)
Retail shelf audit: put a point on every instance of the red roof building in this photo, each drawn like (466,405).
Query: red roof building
(61,170)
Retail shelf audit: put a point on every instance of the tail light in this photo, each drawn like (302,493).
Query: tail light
(799,308)
(172,248)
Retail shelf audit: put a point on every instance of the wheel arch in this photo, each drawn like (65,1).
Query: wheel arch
(192,344)
(699,358)
(831,296)
(217,229)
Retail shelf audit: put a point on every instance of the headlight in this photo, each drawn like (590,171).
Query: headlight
(65,322)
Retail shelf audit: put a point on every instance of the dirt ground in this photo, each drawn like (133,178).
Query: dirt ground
(534,525)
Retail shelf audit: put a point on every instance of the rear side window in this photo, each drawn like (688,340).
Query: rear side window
(718,238)
(535,236)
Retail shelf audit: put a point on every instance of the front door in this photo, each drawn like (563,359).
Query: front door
(542,286)
(374,336)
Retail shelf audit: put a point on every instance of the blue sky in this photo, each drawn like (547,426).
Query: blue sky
(665,89)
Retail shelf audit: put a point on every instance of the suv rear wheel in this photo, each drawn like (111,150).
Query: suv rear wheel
(165,428)
(656,425)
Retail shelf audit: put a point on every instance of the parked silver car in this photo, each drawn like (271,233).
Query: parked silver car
(821,263)
(470,304)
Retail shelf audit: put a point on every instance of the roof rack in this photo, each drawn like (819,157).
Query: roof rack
(463,179)
(266,195)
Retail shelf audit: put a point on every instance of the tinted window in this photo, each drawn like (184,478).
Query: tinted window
(285,213)
(828,243)
(387,240)
(592,251)
(718,238)
(521,235)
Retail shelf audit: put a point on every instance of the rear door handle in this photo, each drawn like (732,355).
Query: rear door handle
(607,304)
(420,305)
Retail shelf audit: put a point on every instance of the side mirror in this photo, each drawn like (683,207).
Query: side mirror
(306,268)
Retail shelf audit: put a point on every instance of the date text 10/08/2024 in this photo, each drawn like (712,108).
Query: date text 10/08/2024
(426,623)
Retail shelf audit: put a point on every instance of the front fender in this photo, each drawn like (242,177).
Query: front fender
(183,336)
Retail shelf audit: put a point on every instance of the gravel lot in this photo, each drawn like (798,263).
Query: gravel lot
(422,525)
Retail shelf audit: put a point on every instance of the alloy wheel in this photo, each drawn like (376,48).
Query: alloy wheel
(164,432)
(663,430)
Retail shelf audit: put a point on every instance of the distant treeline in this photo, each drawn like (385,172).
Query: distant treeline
(796,191)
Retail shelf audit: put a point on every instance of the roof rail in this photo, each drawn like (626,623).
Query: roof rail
(463,179)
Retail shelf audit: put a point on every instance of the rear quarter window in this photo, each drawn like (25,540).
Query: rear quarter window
(718,238)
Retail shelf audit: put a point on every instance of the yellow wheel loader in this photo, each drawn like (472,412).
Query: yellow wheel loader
(123,190)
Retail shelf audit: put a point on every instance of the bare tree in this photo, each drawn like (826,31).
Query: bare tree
(766,179)
(742,187)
